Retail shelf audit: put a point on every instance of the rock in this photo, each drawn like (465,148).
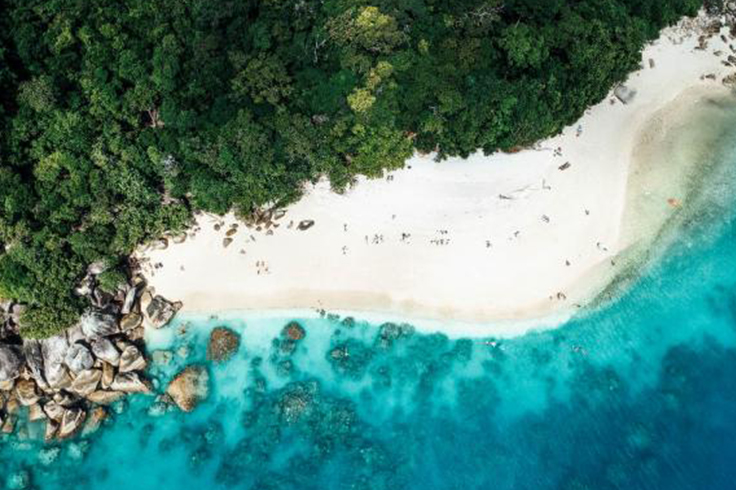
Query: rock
(162,357)
(189,387)
(131,360)
(161,244)
(226,242)
(86,382)
(106,351)
(130,321)
(11,360)
(65,399)
(293,331)
(75,334)
(7,385)
(54,350)
(160,311)
(34,361)
(129,301)
(78,358)
(136,334)
(35,413)
(105,397)
(25,390)
(94,420)
(624,94)
(54,411)
(108,376)
(222,345)
(52,428)
(71,422)
(305,224)
(96,268)
(9,424)
(98,324)
(129,383)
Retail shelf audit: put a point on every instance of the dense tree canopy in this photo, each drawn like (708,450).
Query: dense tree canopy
(119,118)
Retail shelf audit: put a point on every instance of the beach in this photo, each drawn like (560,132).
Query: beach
(495,244)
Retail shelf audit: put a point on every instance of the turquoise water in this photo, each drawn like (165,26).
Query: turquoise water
(639,394)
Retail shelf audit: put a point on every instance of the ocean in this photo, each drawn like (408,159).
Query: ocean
(636,393)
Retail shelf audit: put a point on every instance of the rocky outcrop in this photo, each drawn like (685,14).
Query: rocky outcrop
(66,379)
(189,387)
(222,345)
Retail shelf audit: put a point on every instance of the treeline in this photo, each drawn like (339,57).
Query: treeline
(119,118)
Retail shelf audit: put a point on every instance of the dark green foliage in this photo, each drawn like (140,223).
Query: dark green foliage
(118,119)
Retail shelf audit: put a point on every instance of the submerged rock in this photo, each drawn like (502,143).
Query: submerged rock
(11,361)
(189,387)
(94,420)
(222,345)
(71,422)
(294,331)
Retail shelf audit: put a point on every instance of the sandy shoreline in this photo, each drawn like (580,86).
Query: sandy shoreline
(489,245)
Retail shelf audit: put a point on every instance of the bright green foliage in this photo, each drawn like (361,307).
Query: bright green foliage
(119,118)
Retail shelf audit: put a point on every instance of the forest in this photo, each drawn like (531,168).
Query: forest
(120,119)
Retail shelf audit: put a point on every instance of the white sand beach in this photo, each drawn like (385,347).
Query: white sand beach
(488,245)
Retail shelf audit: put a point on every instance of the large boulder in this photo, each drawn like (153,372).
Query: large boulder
(86,382)
(105,397)
(98,324)
(189,387)
(129,301)
(105,350)
(53,350)
(131,360)
(223,344)
(71,422)
(78,358)
(11,361)
(26,392)
(158,311)
(129,383)
(34,361)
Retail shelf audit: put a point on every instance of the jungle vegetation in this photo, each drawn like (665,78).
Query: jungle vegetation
(119,119)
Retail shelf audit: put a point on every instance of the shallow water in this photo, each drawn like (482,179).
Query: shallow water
(639,394)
